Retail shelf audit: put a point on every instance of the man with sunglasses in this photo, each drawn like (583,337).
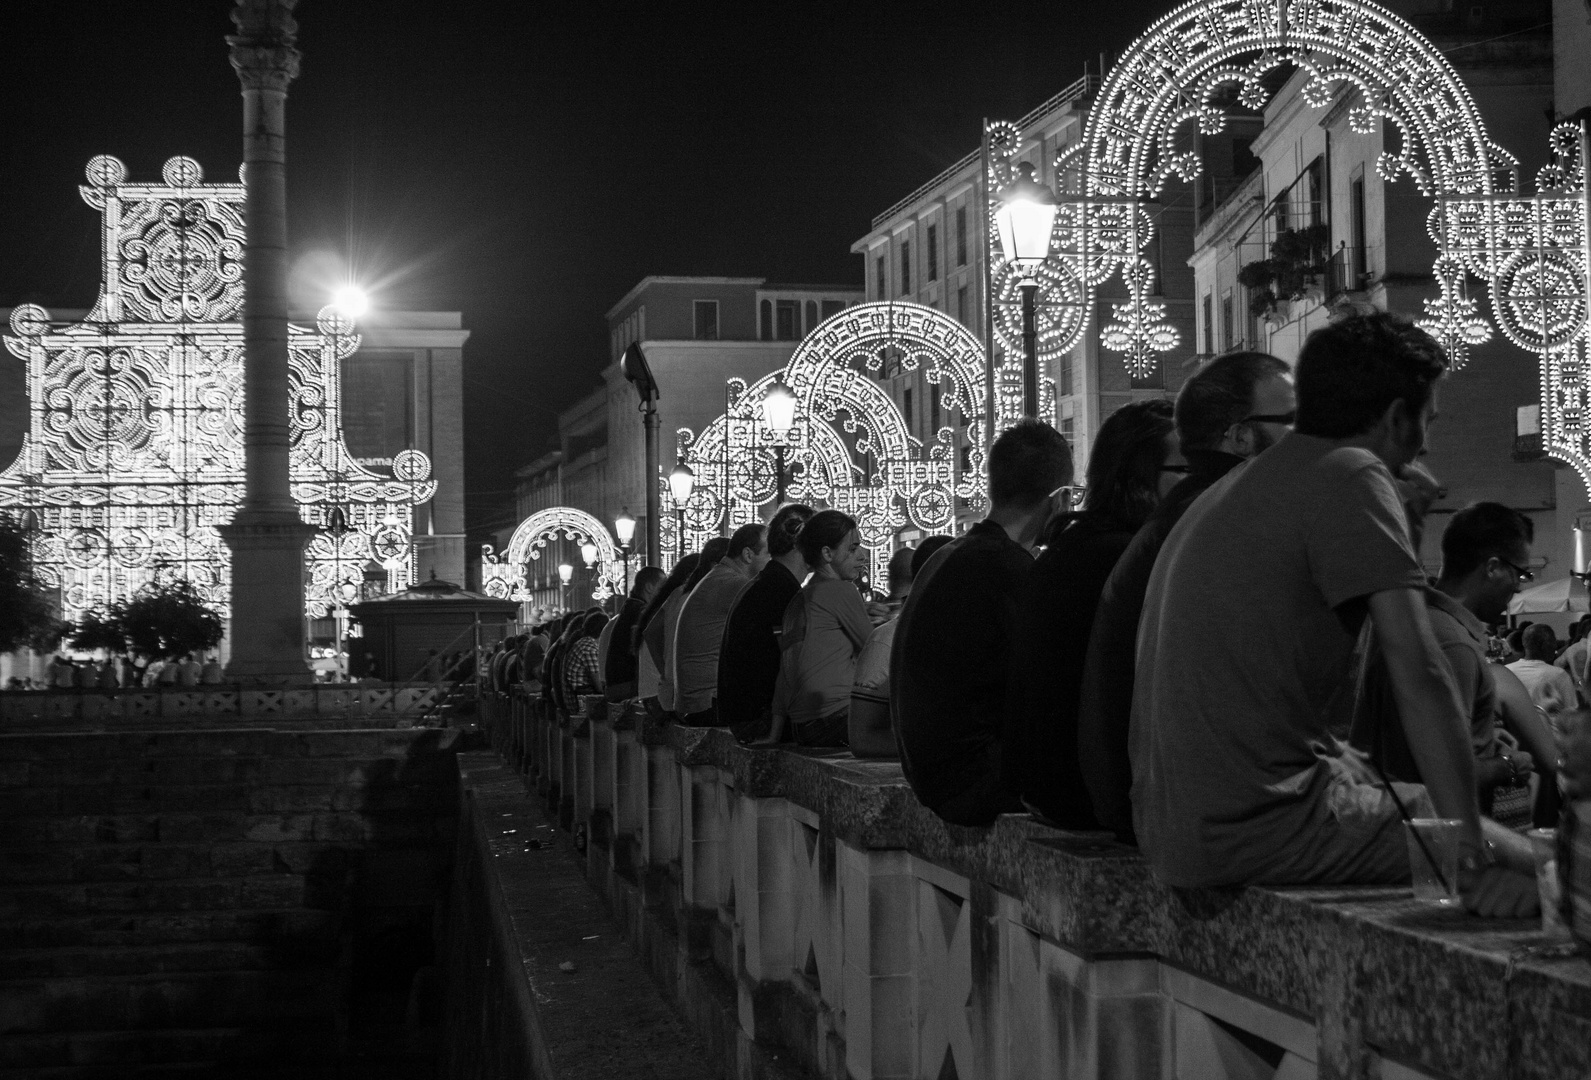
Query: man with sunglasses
(1230,410)
(1248,630)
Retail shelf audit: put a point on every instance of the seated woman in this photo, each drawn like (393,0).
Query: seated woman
(1134,462)
(824,629)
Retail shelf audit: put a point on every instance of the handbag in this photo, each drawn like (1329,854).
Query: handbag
(1512,804)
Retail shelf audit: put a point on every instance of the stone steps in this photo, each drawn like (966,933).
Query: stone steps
(195,999)
(167,958)
(200,1048)
(289,928)
(148,860)
(43,900)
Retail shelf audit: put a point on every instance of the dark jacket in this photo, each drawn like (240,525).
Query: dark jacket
(748,661)
(1105,702)
(621,664)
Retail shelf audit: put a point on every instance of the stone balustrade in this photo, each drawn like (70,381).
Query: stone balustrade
(803,905)
(382,701)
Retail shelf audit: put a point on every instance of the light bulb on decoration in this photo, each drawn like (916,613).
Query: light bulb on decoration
(349,590)
(1025,218)
(778,409)
(624,527)
(588,554)
(351,301)
(566,573)
(681,482)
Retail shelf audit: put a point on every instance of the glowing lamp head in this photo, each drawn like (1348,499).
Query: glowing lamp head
(680,482)
(588,555)
(349,590)
(566,573)
(351,301)
(624,527)
(778,408)
(1025,218)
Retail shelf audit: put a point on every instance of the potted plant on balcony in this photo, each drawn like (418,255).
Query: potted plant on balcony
(1296,262)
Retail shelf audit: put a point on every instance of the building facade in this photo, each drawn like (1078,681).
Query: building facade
(1316,230)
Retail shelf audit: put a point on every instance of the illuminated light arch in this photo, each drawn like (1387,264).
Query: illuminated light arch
(503,576)
(134,451)
(851,447)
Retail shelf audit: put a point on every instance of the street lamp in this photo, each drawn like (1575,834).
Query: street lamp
(566,574)
(624,529)
(778,412)
(351,301)
(680,483)
(1026,218)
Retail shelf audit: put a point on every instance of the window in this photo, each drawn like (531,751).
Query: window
(1208,311)
(933,409)
(966,457)
(880,276)
(1066,376)
(961,305)
(1226,323)
(1356,211)
(961,236)
(905,267)
(1068,429)
(933,253)
(788,320)
(832,308)
(706,320)
(906,407)
(812,315)
(766,310)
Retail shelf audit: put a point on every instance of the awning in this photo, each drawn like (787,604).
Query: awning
(1564,594)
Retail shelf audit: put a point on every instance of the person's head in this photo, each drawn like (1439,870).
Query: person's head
(785,528)
(830,544)
(1370,378)
(647,581)
(748,548)
(1576,631)
(1541,643)
(1126,474)
(1240,403)
(1027,464)
(925,551)
(712,551)
(900,572)
(1484,551)
(593,623)
(1516,640)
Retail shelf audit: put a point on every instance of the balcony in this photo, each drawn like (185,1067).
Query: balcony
(1345,272)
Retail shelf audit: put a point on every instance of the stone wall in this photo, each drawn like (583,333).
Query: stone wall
(842,926)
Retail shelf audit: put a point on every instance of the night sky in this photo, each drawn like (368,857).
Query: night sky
(527,164)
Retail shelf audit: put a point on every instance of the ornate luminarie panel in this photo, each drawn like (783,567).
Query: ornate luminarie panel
(134,451)
(503,575)
(850,447)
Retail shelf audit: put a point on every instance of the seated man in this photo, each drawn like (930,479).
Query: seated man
(748,658)
(1483,548)
(1248,626)
(870,733)
(948,664)
(700,632)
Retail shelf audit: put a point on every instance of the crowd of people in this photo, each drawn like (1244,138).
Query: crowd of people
(1229,655)
(122,673)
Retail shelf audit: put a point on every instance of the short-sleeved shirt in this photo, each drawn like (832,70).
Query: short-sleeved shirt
(666,696)
(700,633)
(748,660)
(1551,688)
(1248,628)
(1377,724)
(825,627)
(948,673)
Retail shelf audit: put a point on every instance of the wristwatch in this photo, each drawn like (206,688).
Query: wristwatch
(1473,862)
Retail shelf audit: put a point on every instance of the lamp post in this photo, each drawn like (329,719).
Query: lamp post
(566,574)
(680,483)
(624,529)
(778,412)
(1026,218)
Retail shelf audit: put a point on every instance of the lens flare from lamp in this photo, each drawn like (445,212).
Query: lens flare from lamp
(680,482)
(351,301)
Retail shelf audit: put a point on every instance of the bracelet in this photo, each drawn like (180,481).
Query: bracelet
(1474,863)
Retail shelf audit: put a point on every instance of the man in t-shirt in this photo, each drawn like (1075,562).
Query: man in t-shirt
(1231,409)
(1577,656)
(1247,632)
(700,632)
(748,657)
(948,665)
(1551,687)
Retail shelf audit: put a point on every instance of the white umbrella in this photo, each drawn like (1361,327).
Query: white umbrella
(1564,594)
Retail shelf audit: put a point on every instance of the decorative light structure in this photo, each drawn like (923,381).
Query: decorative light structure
(849,438)
(504,576)
(134,451)
(1026,219)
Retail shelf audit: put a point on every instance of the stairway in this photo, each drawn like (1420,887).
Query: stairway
(186,903)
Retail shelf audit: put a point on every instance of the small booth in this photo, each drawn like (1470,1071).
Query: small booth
(405,636)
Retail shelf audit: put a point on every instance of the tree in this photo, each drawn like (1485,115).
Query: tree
(27,615)
(167,619)
(99,629)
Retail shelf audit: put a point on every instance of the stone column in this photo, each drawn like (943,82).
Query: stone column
(267,537)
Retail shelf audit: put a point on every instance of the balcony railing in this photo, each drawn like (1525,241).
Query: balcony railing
(1345,272)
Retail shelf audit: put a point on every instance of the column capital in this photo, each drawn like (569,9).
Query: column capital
(262,50)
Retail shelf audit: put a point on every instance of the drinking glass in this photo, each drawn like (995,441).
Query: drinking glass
(1544,846)
(1438,883)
